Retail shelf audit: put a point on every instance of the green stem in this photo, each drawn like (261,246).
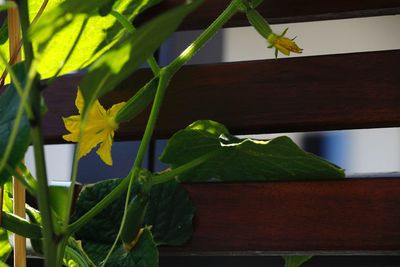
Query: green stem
(191,50)
(153,65)
(50,243)
(20,226)
(167,73)
(43,194)
(61,248)
(151,123)
(172,174)
(131,29)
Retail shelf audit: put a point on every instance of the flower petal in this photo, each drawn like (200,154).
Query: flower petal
(104,150)
(90,140)
(72,124)
(282,49)
(79,101)
(115,108)
(97,112)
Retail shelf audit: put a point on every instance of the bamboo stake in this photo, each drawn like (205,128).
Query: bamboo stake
(14,34)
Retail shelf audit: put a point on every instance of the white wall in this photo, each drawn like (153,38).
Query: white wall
(58,159)
(317,38)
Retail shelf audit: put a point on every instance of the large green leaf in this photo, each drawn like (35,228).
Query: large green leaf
(103,228)
(296,260)
(145,253)
(9,103)
(242,159)
(170,213)
(59,25)
(117,64)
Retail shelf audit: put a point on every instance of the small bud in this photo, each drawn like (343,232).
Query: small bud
(283,44)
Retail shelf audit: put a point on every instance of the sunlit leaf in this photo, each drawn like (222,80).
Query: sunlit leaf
(242,159)
(59,25)
(107,72)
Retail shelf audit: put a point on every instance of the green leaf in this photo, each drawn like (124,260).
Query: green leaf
(59,25)
(170,213)
(75,255)
(5,246)
(106,72)
(9,102)
(242,159)
(103,228)
(2,264)
(96,251)
(7,197)
(35,218)
(145,253)
(296,261)
(4,33)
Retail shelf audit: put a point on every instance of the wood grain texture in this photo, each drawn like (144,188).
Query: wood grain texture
(346,91)
(283,11)
(342,216)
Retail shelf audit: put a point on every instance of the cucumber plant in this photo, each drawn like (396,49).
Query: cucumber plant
(121,222)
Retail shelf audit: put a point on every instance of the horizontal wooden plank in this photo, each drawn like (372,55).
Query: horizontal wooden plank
(276,261)
(349,216)
(270,261)
(284,11)
(346,91)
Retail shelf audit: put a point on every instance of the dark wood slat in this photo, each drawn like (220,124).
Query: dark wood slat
(276,261)
(284,11)
(300,94)
(359,215)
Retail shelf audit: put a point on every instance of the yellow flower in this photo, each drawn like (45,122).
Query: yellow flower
(99,129)
(283,44)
